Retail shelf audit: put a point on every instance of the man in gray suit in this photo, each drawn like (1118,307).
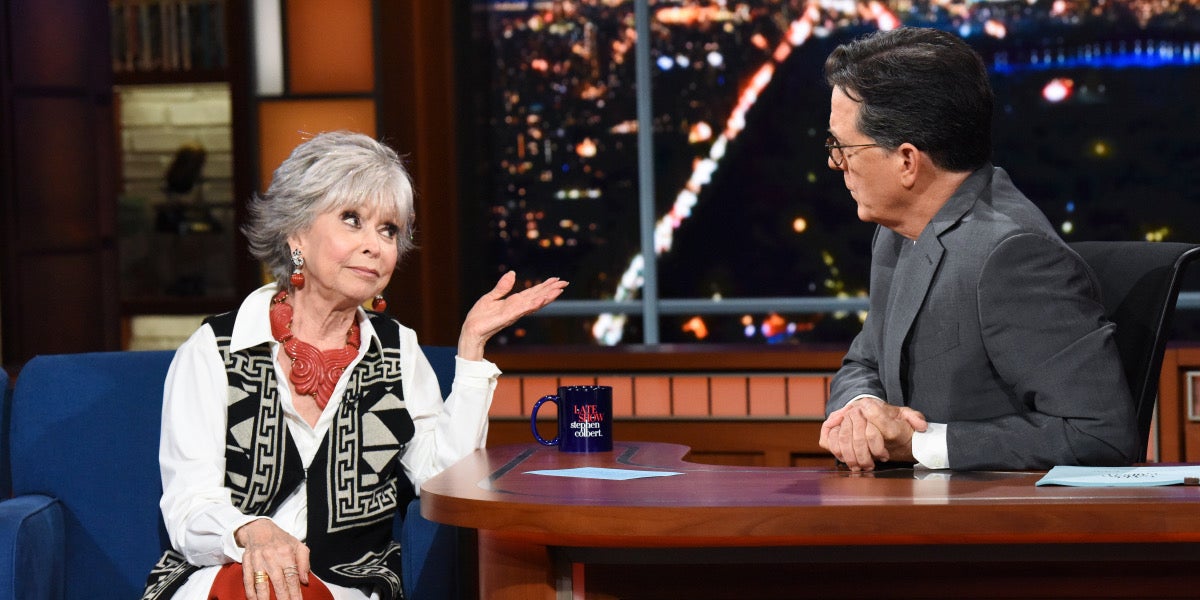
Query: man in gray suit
(985,346)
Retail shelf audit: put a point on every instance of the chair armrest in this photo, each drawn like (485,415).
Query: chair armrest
(429,556)
(32,548)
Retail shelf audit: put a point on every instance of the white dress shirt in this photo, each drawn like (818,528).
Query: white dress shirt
(197,508)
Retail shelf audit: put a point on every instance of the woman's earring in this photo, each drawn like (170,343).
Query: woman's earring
(297,264)
(379,304)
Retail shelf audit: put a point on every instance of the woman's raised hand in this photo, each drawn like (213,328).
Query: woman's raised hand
(497,309)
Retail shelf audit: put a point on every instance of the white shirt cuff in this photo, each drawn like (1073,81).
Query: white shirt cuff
(475,373)
(929,447)
(861,396)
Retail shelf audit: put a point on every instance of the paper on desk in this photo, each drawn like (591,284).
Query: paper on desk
(602,473)
(1122,476)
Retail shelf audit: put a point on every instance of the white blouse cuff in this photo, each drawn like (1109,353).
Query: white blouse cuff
(477,373)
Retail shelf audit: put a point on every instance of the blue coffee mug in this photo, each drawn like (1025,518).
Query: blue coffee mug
(584,418)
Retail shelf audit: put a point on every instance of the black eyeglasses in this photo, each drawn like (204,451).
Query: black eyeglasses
(835,150)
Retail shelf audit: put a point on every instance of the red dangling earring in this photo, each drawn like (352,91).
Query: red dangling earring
(379,304)
(298,263)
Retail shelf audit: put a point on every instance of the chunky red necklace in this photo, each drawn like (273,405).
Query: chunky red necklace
(314,372)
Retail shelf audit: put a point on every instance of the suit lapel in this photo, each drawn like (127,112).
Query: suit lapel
(910,284)
(915,268)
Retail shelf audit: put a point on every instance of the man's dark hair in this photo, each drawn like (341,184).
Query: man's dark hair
(922,86)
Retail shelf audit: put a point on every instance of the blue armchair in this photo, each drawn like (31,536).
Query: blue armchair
(84,521)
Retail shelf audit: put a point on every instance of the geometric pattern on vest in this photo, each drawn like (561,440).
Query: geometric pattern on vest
(171,570)
(365,441)
(257,434)
(369,567)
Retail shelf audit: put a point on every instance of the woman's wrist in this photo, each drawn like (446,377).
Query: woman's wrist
(470,351)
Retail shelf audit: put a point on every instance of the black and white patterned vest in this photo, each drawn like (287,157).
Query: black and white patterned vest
(355,484)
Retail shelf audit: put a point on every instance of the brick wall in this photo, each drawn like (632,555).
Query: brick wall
(156,120)
(157,257)
(175,245)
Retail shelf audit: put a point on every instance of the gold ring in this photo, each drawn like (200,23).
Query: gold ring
(291,571)
(260,577)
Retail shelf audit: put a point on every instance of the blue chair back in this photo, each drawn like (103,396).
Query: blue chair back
(85,430)
(5,411)
(441,358)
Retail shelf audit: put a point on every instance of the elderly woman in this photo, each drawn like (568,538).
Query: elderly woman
(294,427)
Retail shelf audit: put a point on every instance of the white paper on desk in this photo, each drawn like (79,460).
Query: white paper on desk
(1120,476)
(602,473)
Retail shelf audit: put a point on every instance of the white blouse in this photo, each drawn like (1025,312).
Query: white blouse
(197,508)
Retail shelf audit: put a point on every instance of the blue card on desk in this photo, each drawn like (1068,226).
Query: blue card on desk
(1122,476)
(603,473)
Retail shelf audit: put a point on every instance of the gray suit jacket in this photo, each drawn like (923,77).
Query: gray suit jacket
(991,324)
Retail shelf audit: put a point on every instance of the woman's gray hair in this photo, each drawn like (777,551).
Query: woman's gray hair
(332,171)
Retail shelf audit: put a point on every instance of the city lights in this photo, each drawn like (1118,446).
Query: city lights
(738,110)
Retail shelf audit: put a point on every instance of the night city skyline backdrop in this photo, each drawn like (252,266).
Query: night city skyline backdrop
(1095,114)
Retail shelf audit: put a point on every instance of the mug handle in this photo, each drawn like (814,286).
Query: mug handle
(533,420)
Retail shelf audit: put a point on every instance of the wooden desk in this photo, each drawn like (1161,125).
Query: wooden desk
(744,532)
